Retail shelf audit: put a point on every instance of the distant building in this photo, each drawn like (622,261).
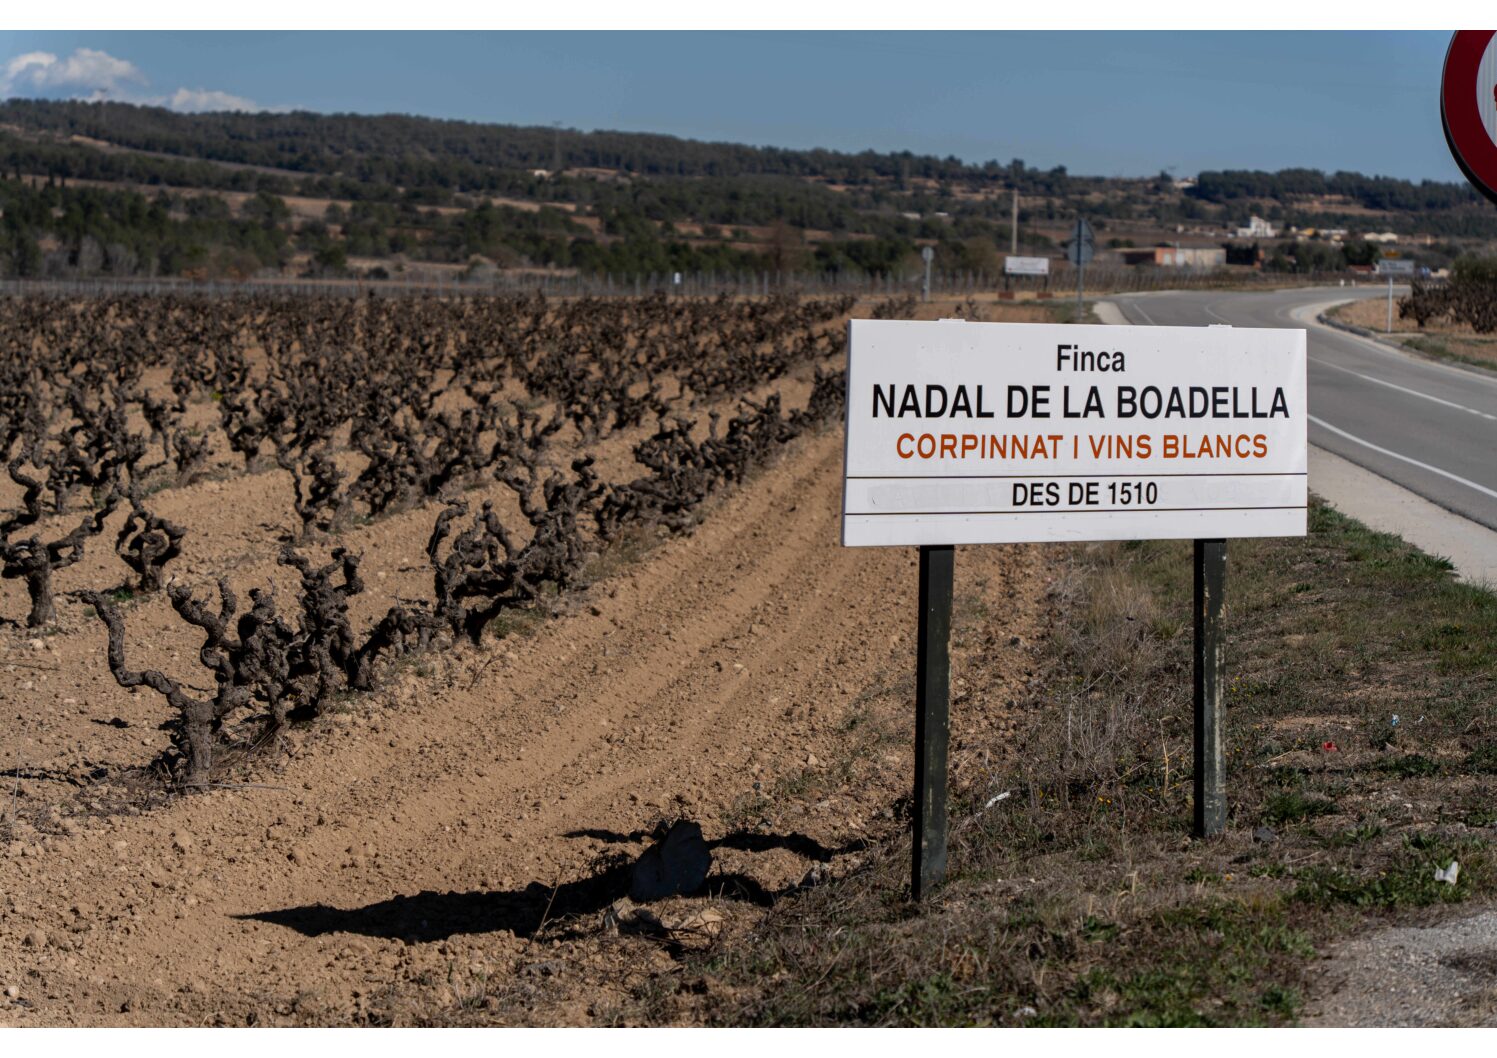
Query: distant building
(1175,256)
(1257,228)
(1185,183)
(1381,236)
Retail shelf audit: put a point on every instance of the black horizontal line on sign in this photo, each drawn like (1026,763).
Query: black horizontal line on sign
(1052,510)
(1005,477)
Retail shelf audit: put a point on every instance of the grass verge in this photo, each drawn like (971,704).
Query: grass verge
(1459,345)
(1360,740)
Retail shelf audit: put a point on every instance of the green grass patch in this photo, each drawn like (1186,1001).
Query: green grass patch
(1406,880)
(1292,806)
(1409,766)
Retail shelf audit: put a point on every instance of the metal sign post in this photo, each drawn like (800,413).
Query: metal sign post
(927,255)
(932,717)
(1080,249)
(1210,669)
(1394,267)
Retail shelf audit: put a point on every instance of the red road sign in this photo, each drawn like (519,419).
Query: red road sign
(1468,106)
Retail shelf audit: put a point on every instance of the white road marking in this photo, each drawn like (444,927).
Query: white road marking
(1139,309)
(1412,462)
(1404,389)
(1212,312)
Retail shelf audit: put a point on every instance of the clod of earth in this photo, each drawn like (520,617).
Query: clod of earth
(675,865)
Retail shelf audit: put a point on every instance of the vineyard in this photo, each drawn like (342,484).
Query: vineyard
(319,602)
(529,434)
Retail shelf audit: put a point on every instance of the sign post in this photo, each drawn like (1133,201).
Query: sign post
(1394,267)
(1080,249)
(1025,266)
(986,433)
(932,716)
(927,255)
(1210,673)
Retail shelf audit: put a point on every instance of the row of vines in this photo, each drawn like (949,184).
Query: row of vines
(373,408)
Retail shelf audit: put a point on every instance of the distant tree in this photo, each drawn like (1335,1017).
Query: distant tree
(266,209)
(784,250)
(1361,252)
(331,259)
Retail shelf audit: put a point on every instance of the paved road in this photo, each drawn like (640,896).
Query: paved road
(1428,427)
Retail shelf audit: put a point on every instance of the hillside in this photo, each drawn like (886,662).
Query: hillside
(115,189)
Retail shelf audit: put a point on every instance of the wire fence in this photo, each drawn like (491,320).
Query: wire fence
(1060,283)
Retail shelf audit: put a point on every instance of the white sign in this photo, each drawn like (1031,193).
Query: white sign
(1026,266)
(1395,267)
(984,433)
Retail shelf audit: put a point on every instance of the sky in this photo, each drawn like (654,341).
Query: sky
(1107,104)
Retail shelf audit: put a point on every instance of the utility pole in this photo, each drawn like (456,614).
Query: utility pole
(1014,227)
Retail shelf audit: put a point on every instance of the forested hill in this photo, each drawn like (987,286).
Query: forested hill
(410,150)
(190,192)
(417,151)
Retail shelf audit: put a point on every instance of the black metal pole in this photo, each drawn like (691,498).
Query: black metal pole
(1210,667)
(932,718)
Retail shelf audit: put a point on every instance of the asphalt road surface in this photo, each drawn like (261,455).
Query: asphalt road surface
(1429,427)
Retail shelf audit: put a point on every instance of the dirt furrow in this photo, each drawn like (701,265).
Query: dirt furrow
(448,815)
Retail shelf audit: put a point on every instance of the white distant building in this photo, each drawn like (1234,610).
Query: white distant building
(1257,228)
(1381,236)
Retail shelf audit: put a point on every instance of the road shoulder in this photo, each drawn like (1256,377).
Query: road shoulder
(1389,508)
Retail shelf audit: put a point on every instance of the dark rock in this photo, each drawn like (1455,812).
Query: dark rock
(1264,835)
(675,865)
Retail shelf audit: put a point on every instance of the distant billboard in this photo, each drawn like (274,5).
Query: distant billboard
(1026,266)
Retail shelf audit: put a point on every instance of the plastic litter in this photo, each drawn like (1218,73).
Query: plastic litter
(995,800)
(1448,875)
(1329,747)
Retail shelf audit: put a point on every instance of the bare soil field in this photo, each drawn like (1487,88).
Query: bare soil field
(454,845)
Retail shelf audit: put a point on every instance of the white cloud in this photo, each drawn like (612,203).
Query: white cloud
(86,72)
(201,100)
(97,75)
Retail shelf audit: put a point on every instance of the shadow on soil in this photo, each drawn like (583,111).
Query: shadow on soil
(431,916)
